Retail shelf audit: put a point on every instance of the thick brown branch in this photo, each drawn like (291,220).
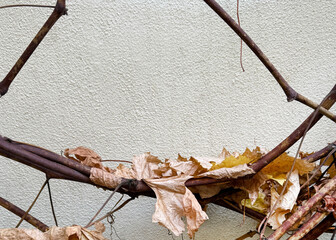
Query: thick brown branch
(320,154)
(56,166)
(54,157)
(19,212)
(56,14)
(288,90)
(320,228)
(17,153)
(296,135)
(309,225)
(49,172)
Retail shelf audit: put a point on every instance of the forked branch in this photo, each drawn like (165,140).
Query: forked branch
(289,91)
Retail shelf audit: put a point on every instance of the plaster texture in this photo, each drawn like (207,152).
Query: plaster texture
(127,77)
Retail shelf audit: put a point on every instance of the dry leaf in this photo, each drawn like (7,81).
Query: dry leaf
(187,167)
(224,154)
(174,201)
(206,163)
(104,178)
(85,156)
(283,164)
(206,191)
(65,233)
(145,166)
(229,173)
(123,172)
(287,201)
(258,205)
(252,186)
(193,211)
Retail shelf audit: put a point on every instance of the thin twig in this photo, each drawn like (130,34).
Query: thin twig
(109,213)
(31,206)
(116,204)
(19,212)
(317,169)
(333,235)
(288,176)
(27,5)
(309,225)
(108,199)
(51,203)
(241,40)
(321,153)
(125,161)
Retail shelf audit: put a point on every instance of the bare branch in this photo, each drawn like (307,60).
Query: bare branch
(288,90)
(320,228)
(56,14)
(19,212)
(296,135)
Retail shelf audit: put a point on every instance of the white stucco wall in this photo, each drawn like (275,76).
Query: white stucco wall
(127,77)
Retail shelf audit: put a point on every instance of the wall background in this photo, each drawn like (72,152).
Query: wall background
(127,77)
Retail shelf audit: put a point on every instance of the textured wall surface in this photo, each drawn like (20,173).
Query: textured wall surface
(126,77)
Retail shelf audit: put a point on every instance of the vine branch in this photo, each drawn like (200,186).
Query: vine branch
(59,10)
(20,213)
(288,90)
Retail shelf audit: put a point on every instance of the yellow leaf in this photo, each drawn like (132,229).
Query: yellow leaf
(259,204)
(283,164)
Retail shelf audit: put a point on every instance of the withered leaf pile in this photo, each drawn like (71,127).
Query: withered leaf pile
(66,233)
(175,201)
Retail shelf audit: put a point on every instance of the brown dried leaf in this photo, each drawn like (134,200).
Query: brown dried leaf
(85,156)
(253,155)
(206,191)
(174,201)
(104,178)
(252,186)
(229,173)
(287,201)
(145,166)
(190,167)
(224,154)
(65,233)
(123,172)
